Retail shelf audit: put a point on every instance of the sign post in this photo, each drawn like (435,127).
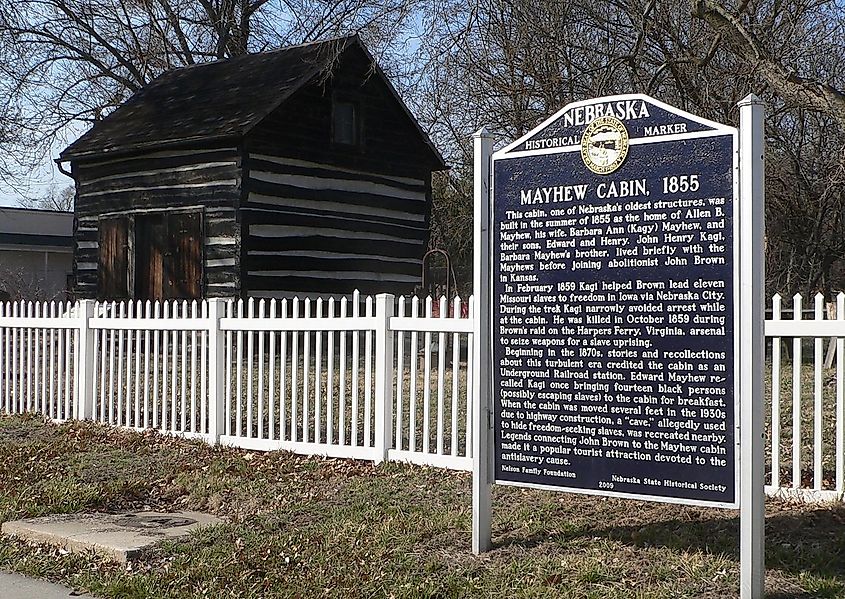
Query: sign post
(752,284)
(619,311)
(481,393)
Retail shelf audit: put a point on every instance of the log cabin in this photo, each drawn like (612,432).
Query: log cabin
(295,171)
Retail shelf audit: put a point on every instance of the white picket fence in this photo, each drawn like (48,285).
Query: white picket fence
(807,446)
(365,377)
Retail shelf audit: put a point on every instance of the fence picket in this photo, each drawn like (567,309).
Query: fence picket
(156,355)
(427,383)
(356,308)
(470,381)
(283,361)
(840,400)
(271,385)
(441,376)
(120,382)
(776,350)
(796,397)
(174,373)
(4,360)
(341,399)
(39,372)
(400,376)
(239,374)
(193,414)
(412,391)
(51,403)
(183,367)
(51,398)
(318,376)
(368,375)
(102,310)
(205,367)
(456,370)
(136,397)
(250,348)
(818,360)
(227,412)
(260,414)
(330,377)
(306,375)
(294,373)
(28,388)
(146,409)
(16,359)
(166,374)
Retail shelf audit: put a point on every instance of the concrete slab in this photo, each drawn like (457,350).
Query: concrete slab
(119,536)
(17,586)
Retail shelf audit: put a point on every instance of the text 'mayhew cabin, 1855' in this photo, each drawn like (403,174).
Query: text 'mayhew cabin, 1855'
(272,174)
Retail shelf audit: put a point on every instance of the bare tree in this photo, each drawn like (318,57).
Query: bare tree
(20,284)
(60,200)
(796,52)
(510,63)
(66,62)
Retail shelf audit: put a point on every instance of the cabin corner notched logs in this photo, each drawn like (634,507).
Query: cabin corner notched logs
(233,178)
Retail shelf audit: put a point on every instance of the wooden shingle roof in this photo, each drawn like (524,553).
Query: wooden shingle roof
(214,101)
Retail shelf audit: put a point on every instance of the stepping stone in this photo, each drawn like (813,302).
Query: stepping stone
(121,537)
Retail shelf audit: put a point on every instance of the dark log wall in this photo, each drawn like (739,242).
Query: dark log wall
(314,228)
(327,218)
(208,179)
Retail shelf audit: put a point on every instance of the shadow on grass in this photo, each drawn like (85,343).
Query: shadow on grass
(809,540)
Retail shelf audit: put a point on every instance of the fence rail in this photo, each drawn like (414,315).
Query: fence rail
(372,378)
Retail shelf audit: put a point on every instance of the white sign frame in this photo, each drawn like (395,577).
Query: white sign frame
(748,277)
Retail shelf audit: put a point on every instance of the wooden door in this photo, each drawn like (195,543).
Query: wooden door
(168,256)
(185,256)
(113,258)
(150,253)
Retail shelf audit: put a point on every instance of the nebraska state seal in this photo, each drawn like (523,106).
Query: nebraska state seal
(604,145)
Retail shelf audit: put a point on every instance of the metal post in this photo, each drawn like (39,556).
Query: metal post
(481,427)
(752,282)
(216,371)
(84,377)
(385,303)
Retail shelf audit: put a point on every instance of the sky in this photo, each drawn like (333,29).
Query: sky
(43,179)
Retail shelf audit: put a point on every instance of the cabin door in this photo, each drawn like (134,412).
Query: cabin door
(168,256)
(113,258)
(150,250)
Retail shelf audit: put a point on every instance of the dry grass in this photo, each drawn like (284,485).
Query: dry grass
(306,527)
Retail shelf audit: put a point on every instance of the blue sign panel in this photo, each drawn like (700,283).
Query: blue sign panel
(613,304)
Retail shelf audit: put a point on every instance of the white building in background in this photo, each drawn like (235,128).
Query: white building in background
(36,253)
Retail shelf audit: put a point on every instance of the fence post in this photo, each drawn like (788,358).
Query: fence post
(384,375)
(83,381)
(216,370)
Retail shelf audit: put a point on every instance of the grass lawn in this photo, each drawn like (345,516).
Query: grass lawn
(310,527)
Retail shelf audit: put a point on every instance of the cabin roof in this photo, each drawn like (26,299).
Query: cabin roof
(217,101)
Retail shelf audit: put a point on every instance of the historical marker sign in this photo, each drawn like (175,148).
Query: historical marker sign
(614,272)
